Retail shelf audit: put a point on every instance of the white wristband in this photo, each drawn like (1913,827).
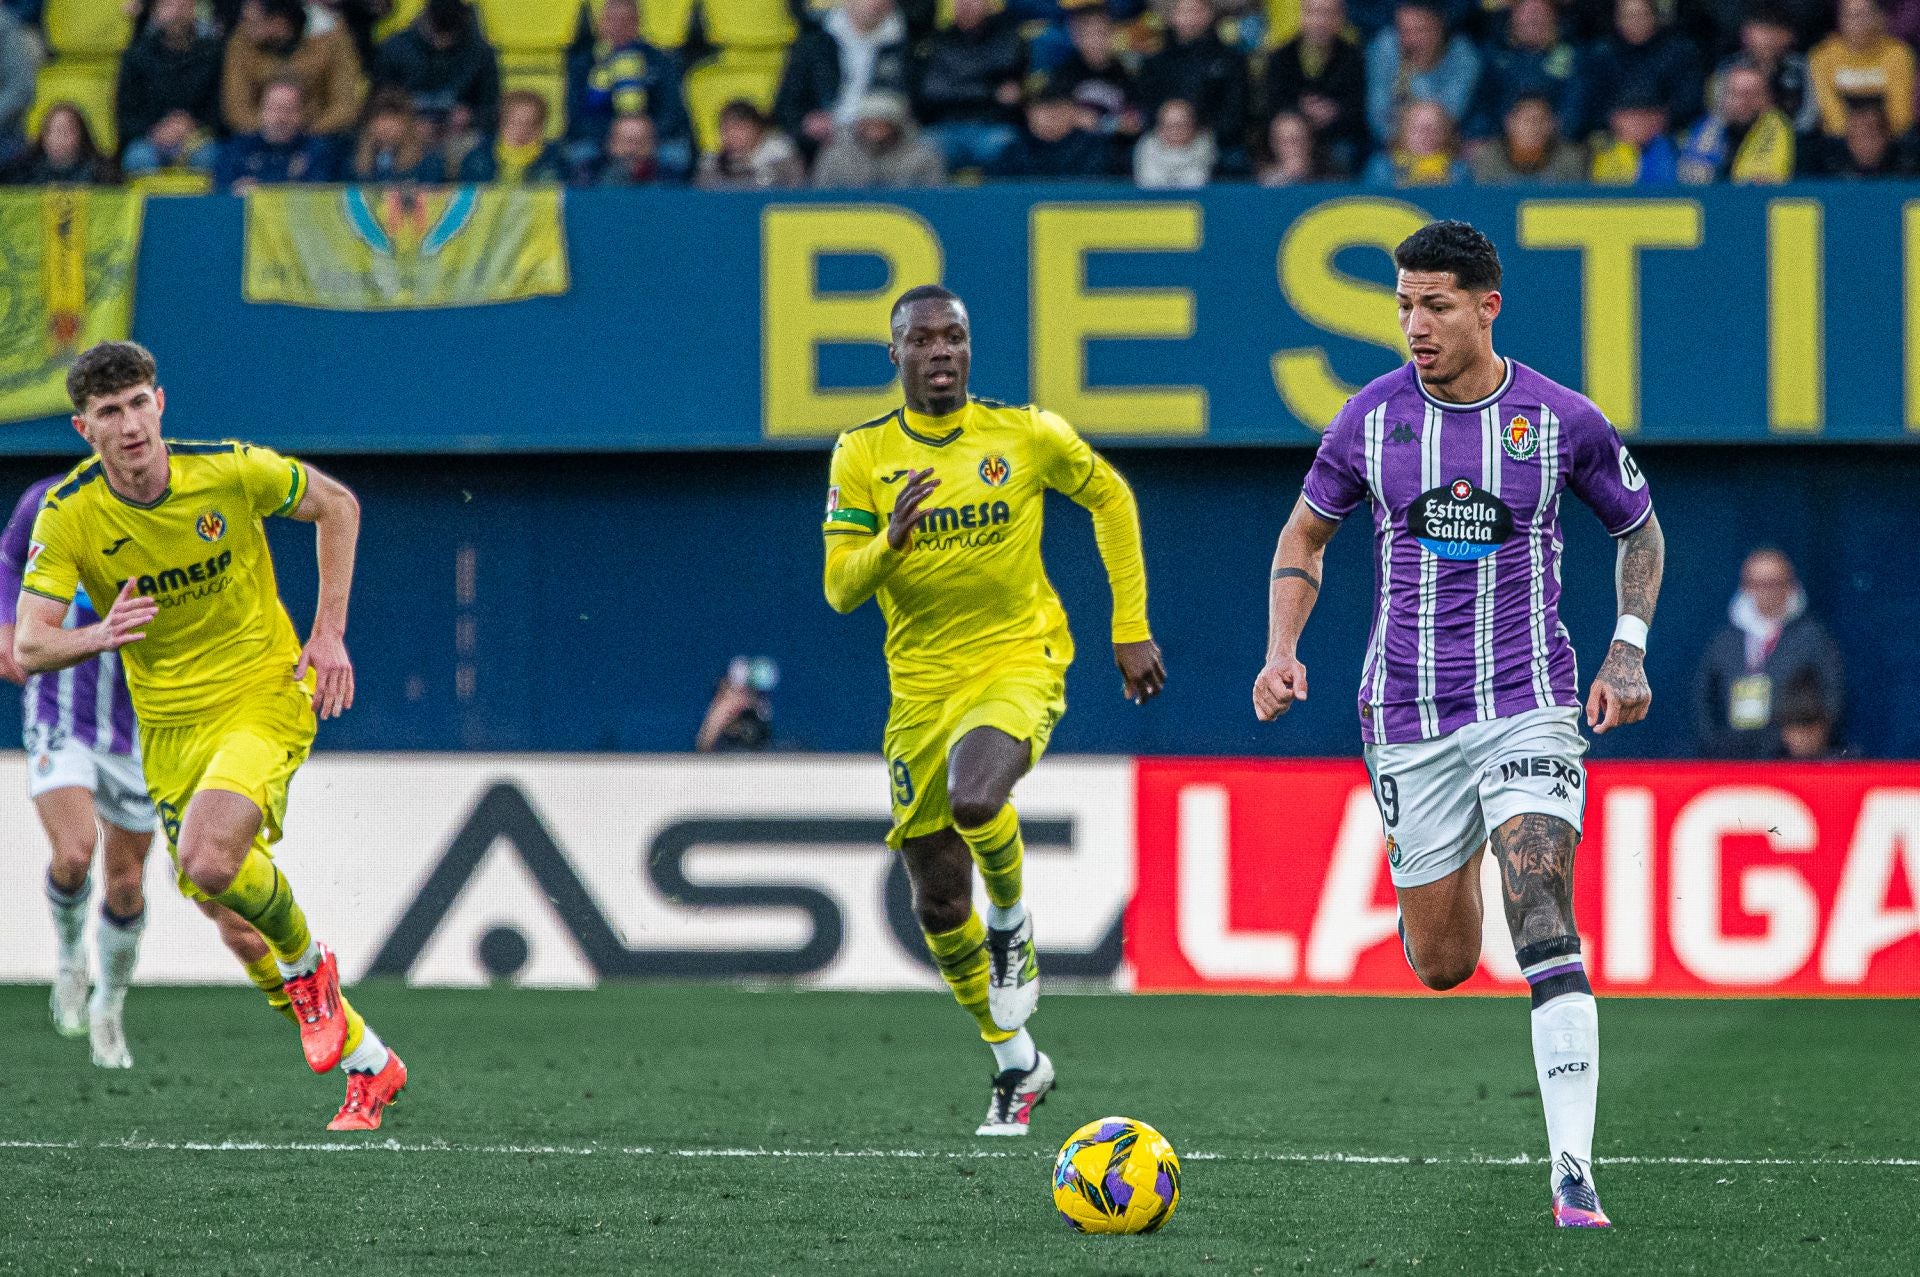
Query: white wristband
(1631,629)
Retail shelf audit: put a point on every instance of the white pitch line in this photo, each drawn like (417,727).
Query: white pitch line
(898,1154)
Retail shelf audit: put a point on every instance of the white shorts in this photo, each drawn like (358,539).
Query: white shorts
(1440,798)
(116,781)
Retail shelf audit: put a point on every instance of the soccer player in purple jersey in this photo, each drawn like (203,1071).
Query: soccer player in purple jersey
(1469,703)
(83,764)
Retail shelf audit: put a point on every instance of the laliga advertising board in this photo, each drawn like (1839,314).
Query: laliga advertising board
(1692,879)
(1253,875)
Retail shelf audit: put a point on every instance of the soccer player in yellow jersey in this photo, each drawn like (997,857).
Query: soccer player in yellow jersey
(225,694)
(936,509)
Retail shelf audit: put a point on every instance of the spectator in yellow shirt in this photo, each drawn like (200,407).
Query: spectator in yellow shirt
(1862,63)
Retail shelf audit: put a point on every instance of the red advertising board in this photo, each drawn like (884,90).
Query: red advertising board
(1692,879)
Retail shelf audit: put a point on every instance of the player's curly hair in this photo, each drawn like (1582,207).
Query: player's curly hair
(109,368)
(1455,247)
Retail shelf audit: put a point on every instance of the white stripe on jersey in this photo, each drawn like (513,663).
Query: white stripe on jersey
(1429,581)
(1374,441)
(63,704)
(1483,601)
(1536,554)
(109,674)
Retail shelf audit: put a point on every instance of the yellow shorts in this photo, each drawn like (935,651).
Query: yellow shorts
(1024,702)
(253,749)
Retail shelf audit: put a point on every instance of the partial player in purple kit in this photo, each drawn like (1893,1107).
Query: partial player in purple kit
(1469,697)
(86,782)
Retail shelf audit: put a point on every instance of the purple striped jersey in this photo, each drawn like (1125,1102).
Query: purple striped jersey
(87,704)
(1466,526)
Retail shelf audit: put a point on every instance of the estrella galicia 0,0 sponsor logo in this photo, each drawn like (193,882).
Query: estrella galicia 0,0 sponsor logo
(1460,521)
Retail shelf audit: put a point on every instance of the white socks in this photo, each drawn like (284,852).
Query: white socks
(69,910)
(1566,1057)
(306,964)
(1017,1052)
(1007,919)
(117,940)
(369,1057)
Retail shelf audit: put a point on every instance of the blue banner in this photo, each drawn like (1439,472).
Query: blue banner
(1235,316)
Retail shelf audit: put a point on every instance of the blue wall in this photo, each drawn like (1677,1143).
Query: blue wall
(609,593)
(703,320)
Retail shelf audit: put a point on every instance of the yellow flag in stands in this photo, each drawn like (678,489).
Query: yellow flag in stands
(403,248)
(66,271)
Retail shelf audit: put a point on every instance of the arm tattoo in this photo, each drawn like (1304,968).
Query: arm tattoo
(1536,869)
(1301,574)
(1642,562)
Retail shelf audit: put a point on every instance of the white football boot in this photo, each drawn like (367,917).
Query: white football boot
(1015,1096)
(69,1000)
(108,1039)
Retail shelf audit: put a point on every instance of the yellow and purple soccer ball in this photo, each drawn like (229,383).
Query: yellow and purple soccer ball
(1116,1175)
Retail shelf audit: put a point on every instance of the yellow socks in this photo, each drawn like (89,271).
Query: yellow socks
(265,974)
(998,850)
(356,1028)
(260,894)
(961,955)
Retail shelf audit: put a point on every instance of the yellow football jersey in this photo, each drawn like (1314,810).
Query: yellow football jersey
(971,591)
(201,552)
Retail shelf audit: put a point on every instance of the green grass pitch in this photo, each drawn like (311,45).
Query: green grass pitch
(704,1129)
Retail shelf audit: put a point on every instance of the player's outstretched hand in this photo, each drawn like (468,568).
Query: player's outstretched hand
(1620,694)
(1142,671)
(906,511)
(326,656)
(127,620)
(1280,684)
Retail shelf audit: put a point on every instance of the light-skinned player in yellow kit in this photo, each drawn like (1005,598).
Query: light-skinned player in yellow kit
(225,693)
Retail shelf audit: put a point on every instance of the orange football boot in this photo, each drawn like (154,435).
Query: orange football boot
(368,1095)
(315,1000)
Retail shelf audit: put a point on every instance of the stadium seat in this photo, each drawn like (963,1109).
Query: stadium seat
(404,12)
(1283,21)
(731,75)
(171,182)
(663,23)
(748,24)
(88,83)
(87,28)
(529,24)
(542,73)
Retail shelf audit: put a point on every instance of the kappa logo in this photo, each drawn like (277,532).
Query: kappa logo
(1521,439)
(211,526)
(994,470)
(1400,432)
(504,816)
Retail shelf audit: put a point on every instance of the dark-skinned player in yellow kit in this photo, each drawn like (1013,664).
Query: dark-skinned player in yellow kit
(936,509)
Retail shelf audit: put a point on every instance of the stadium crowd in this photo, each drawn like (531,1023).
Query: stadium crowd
(892,93)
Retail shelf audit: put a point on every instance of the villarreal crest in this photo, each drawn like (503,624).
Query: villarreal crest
(1521,439)
(994,470)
